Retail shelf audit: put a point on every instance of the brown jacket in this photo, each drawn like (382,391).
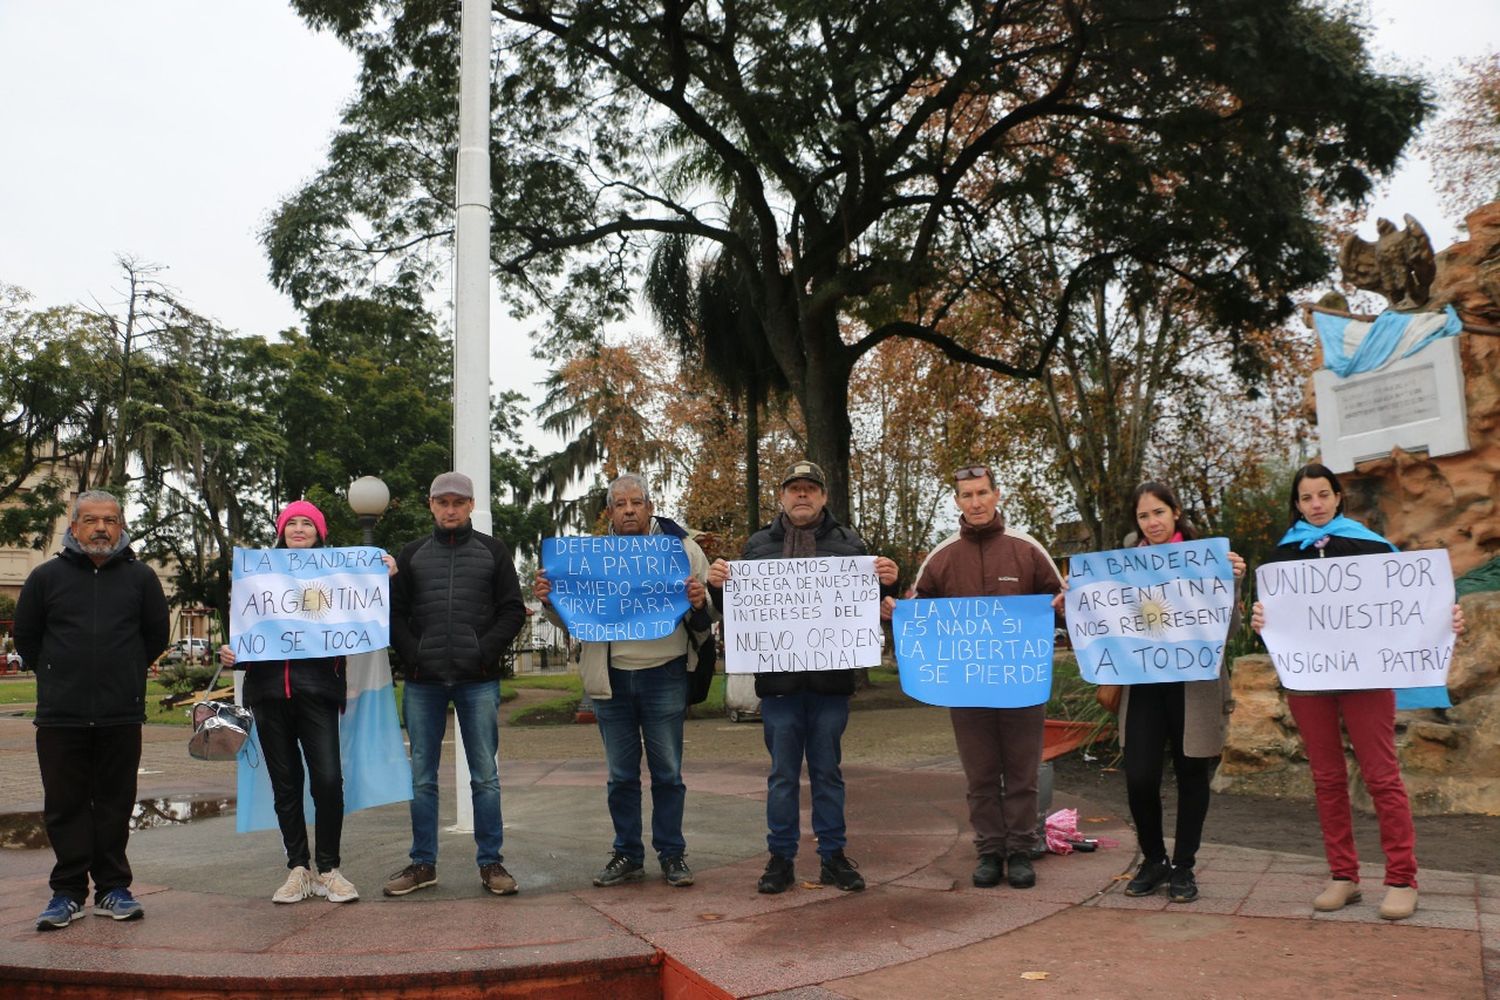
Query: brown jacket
(988,561)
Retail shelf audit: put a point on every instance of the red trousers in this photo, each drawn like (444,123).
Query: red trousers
(1370,719)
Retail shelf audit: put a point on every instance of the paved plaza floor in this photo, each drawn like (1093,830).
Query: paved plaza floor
(920,929)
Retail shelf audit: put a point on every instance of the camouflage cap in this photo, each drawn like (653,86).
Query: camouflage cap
(804,470)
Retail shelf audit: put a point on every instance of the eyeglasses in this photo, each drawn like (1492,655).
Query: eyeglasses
(972,472)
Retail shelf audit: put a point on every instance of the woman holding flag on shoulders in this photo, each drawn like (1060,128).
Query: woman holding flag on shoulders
(1318,529)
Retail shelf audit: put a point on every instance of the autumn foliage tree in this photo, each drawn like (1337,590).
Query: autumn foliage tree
(1465,145)
(607,405)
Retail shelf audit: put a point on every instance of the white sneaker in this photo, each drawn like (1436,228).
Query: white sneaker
(297,887)
(335,887)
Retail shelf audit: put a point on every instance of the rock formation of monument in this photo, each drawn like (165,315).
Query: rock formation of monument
(1451,759)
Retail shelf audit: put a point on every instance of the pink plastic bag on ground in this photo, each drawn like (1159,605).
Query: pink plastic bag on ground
(1063,835)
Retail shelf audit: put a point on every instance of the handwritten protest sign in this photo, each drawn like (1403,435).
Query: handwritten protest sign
(612,588)
(801,614)
(976,652)
(294,604)
(1151,614)
(1358,622)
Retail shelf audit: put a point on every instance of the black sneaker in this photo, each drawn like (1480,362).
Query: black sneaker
(1183,887)
(842,872)
(676,871)
(779,875)
(991,867)
(1151,876)
(1018,871)
(620,869)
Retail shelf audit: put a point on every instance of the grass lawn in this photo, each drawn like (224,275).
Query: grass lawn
(19,691)
(23,692)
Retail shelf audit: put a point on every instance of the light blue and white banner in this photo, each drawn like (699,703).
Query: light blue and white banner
(609,588)
(976,652)
(373,755)
(1151,614)
(295,604)
(1351,346)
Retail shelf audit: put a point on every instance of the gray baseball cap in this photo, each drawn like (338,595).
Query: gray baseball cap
(455,483)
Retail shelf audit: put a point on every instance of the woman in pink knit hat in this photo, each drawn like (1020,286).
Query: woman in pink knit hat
(296,704)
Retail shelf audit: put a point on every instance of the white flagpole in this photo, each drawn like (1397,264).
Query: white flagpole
(471,303)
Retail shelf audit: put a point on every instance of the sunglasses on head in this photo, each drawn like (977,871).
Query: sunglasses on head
(971,472)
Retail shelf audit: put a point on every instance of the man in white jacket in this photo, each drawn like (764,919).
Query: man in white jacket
(640,694)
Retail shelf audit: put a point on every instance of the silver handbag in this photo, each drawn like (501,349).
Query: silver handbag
(220,728)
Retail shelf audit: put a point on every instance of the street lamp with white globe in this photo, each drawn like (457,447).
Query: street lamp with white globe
(368,498)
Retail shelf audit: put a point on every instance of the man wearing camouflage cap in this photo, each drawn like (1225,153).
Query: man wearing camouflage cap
(804,712)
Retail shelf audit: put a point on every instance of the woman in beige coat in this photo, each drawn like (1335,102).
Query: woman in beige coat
(1187,717)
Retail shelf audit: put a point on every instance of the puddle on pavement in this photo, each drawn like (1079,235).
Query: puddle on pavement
(26,830)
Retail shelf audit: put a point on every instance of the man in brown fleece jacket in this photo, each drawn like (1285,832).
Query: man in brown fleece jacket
(1001,748)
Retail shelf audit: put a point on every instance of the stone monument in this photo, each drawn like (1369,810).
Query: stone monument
(1418,497)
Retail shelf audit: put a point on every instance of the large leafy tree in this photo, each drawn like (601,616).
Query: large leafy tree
(871,148)
(54,370)
(211,451)
(706,311)
(367,390)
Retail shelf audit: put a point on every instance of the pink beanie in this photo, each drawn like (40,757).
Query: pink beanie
(307,510)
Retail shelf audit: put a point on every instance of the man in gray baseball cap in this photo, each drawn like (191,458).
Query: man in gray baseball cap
(452,484)
(455,607)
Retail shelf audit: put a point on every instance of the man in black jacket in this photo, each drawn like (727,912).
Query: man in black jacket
(91,622)
(804,712)
(455,607)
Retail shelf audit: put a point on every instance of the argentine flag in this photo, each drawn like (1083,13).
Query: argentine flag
(376,770)
(1151,614)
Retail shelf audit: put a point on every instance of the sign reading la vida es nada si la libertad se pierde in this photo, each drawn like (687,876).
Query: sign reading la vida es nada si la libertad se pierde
(295,604)
(1151,614)
(976,652)
(1359,622)
(801,614)
(616,588)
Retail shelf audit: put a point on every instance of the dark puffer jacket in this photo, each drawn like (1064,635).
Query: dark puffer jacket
(91,632)
(455,606)
(833,539)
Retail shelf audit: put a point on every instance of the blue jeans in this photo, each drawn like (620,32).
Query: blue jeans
(796,726)
(646,706)
(477,706)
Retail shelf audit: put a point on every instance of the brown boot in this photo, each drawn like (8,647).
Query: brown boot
(1337,894)
(1400,902)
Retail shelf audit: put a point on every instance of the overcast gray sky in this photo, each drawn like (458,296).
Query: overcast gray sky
(168,129)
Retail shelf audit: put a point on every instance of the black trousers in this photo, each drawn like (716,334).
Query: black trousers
(291,730)
(1153,721)
(88,789)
